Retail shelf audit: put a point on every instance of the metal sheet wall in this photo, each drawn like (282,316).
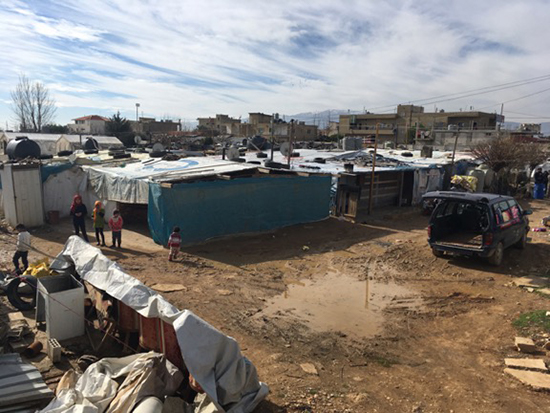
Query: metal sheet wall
(208,209)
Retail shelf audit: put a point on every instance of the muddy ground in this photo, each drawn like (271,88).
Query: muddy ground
(386,326)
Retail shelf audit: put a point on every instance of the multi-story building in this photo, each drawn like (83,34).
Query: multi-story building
(151,126)
(222,124)
(268,126)
(410,122)
(89,125)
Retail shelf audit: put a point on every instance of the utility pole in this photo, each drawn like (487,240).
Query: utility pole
(371,188)
(290,138)
(272,136)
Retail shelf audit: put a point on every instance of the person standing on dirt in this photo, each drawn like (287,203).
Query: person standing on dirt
(174,243)
(538,192)
(22,248)
(98,215)
(115,224)
(79,213)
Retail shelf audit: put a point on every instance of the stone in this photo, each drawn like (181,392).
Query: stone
(545,291)
(531,364)
(531,378)
(526,345)
(546,345)
(225,292)
(532,281)
(309,368)
(168,288)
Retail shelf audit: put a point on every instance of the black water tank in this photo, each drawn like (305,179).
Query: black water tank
(22,147)
(91,143)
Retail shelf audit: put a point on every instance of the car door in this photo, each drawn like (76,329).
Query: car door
(517,220)
(504,224)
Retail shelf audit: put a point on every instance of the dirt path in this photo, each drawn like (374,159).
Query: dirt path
(386,326)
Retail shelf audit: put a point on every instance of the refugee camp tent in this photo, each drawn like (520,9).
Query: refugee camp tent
(46,141)
(74,142)
(212,197)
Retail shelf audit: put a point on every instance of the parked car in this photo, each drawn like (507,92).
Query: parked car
(476,224)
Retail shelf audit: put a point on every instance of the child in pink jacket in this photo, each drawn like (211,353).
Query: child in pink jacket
(115,223)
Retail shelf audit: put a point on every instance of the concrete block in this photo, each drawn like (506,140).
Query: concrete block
(531,364)
(526,345)
(534,379)
(54,350)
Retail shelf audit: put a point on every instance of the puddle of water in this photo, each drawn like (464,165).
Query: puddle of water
(340,303)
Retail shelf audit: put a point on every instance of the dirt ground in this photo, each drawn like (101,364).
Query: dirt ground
(343,317)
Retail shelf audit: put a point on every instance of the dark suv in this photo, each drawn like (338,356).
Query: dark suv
(476,224)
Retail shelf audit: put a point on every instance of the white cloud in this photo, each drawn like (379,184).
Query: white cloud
(198,58)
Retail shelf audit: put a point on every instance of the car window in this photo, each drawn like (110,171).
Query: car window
(445,209)
(503,212)
(515,209)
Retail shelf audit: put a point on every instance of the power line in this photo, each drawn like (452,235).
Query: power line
(473,92)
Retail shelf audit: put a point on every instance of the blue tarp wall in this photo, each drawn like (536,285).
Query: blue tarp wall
(209,209)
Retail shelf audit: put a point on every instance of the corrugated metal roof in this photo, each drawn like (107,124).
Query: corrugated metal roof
(158,170)
(21,383)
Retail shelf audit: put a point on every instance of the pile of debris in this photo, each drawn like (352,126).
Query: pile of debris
(530,371)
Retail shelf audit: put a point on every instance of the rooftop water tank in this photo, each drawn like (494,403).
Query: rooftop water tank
(22,147)
(91,144)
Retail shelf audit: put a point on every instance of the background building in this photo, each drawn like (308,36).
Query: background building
(89,125)
(411,122)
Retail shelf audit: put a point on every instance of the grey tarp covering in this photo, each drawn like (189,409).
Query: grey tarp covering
(216,362)
(214,359)
(97,391)
(117,187)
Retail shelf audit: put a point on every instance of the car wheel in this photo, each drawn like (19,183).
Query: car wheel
(437,253)
(522,243)
(498,255)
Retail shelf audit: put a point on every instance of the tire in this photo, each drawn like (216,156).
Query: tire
(15,297)
(498,255)
(522,243)
(437,253)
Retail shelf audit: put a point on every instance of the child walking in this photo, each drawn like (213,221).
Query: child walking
(98,215)
(174,243)
(22,248)
(115,224)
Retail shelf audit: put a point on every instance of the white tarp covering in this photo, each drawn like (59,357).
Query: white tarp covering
(130,183)
(102,273)
(97,391)
(214,359)
(216,362)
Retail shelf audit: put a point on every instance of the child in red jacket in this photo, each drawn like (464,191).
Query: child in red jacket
(174,243)
(115,223)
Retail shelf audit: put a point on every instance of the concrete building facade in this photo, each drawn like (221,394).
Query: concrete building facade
(410,121)
(89,125)
(223,124)
(152,126)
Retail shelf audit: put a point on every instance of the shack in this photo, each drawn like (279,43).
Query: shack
(210,197)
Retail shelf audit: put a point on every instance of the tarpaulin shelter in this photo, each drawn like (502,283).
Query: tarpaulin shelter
(210,197)
(229,379)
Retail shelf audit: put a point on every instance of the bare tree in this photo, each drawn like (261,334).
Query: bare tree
(506,153)
(32,105)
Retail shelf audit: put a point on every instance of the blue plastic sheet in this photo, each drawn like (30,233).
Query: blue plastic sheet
(55,168)
(205,210)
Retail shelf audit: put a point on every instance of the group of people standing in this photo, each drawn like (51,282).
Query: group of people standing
(79,212)
(541,183)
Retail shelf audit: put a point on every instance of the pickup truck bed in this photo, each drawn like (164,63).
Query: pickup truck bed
(462,239)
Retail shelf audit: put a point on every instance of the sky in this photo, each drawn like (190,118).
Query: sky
(183,59)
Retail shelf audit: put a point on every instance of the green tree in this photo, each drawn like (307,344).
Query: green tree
(118,125)
(53,128)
